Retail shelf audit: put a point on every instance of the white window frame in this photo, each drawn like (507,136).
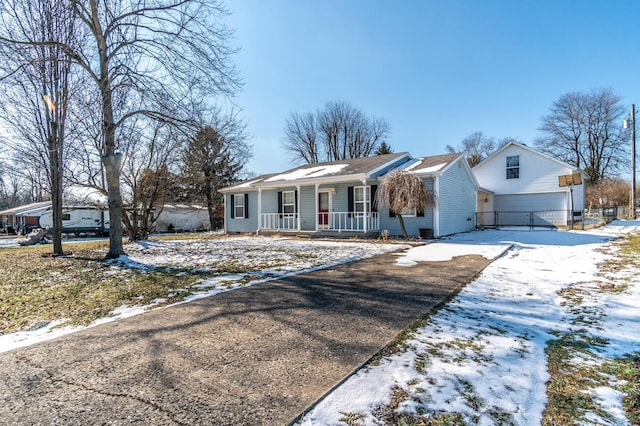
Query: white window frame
(365,207)
(238,205)
(288,207)
(409,212)
(513,168)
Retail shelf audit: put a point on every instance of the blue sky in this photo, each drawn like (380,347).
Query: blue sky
(436,70)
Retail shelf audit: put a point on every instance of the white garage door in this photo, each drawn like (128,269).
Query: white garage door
(532,209)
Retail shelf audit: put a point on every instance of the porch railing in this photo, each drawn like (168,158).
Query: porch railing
(351,221)
(279,221)
(331,221)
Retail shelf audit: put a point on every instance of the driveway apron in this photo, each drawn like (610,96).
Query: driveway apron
(258,355)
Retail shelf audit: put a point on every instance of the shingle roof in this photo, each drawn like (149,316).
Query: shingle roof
(432,164)
(319,171)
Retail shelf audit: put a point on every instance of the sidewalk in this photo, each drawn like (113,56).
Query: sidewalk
(259,355)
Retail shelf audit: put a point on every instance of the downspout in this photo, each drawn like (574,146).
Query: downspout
(436,209)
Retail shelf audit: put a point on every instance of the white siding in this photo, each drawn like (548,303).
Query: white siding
(456,200)
(537,173)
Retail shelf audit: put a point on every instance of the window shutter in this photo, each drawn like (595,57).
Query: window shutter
(374,202)
(350,204)
(295,201)
(246,206)
(233,206)
(279,201)
(420,213)
(391,214)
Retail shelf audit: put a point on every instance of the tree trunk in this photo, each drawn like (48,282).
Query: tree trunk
(55,166)
(404,230)
(210,206)
(110,159)
(111,163)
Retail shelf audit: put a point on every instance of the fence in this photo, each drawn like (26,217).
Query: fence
(549,218)
(605,214)
(541,218)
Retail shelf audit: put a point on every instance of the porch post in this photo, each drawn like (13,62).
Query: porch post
(224,210)
(366,211)
(436,209)
(317,207)
(298,205)
(259,210)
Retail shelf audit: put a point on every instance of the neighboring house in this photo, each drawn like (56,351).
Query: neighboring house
(520,186)
(23,218)
(339,196)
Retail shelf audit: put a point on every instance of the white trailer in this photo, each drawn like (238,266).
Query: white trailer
(79,220)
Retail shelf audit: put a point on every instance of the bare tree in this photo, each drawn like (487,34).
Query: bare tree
(302,137)
(584,130)
(163,59)
(607,193)
(146,173)
(338,132)
(401,191)
(36,77)
(478,146)
(212,159)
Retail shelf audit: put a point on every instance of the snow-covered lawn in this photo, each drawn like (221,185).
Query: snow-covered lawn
(228,263)
(481,359)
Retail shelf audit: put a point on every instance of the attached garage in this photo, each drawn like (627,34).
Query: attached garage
(548,209)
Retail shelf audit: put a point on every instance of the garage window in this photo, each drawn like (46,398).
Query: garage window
(513,167)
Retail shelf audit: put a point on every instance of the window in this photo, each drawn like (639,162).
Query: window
(408,212)
(359,204)
(66,216)
(238,206)
(288,201)
(513,167)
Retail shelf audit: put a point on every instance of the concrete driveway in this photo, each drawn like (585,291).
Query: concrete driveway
(259,355)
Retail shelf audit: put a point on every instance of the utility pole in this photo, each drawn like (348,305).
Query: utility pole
(633,161)
(626,124)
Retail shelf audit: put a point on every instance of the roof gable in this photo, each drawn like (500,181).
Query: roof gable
(526,148)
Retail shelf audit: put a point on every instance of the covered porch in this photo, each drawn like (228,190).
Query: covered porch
(318,208)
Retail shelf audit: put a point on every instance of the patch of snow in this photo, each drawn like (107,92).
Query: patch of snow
(430,169)
(437,252)
(309,172)
(612,400)
(10,242)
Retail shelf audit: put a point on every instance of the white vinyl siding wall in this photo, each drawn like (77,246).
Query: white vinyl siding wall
(538,175)
(456,200)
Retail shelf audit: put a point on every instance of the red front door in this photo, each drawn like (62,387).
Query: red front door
(323,208)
